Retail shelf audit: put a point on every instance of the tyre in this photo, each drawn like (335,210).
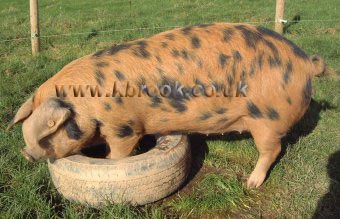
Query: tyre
(136,180)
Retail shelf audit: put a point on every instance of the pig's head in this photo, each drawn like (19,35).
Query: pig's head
(49,130)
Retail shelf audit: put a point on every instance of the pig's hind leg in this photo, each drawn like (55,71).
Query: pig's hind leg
(268,143)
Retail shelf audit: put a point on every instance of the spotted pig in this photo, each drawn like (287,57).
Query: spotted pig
(211,78)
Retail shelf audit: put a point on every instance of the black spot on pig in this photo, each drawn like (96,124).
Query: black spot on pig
(252,69)
(205,116)
(273,62)
(253,110)
(72,129)
(118,48)
(184,54)
(102,64)
(251,37)
(118,100)
(156,101)
(119,75)
(228,34)
(107,106)
(159,59)
(62,104)
(230,80)
(140,50)
(176,97)
(199,87)
(221,110)
(124,131)
(297,51)
(260,60)
(170,36)
(99,53)
(198,82)
(236,59)
(223,58)
(175,53)
(178,105)
(243,76)
(237,56)
(272,113)
(164,44)
(113,50)
(307,92)
(289,100)
(195,42)
(100,77)
(186,30)
(276,60)
(288,72)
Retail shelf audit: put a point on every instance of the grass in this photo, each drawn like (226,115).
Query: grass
(305,178)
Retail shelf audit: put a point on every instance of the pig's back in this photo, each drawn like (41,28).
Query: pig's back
(275,72)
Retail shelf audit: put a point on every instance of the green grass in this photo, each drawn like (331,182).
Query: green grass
(297,184)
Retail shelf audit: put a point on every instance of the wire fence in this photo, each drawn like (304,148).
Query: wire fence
(142,28)
(87,11)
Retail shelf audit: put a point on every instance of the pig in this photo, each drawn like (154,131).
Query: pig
(215,78)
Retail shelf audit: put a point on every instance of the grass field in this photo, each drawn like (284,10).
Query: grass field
(303,183)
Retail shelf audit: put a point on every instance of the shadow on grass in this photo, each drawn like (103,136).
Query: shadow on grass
(199,150)
(304,127)
(329,204)
(296,19)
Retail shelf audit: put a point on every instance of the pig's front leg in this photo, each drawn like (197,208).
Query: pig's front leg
(120,148)
(121,137)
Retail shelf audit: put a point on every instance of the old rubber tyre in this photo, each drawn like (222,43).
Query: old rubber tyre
(136,180)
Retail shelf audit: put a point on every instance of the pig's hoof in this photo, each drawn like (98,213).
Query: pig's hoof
(255,180)
(137,180)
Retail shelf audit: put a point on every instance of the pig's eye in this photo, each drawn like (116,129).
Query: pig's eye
(50,123)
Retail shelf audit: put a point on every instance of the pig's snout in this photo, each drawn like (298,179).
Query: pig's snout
(27,156)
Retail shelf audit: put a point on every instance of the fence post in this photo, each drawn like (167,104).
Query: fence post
(34,18)
(280,7)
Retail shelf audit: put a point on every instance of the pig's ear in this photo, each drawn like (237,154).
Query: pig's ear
(49,116)
(24,111)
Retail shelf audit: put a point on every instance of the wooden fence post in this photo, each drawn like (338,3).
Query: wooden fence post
(280,8)
(34,17)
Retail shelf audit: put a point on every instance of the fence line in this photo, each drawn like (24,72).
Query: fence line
(145,28)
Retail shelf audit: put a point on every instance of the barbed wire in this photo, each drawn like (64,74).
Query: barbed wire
(87,16)
(147,28)
(48,3)
(132,3)
(133,6)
